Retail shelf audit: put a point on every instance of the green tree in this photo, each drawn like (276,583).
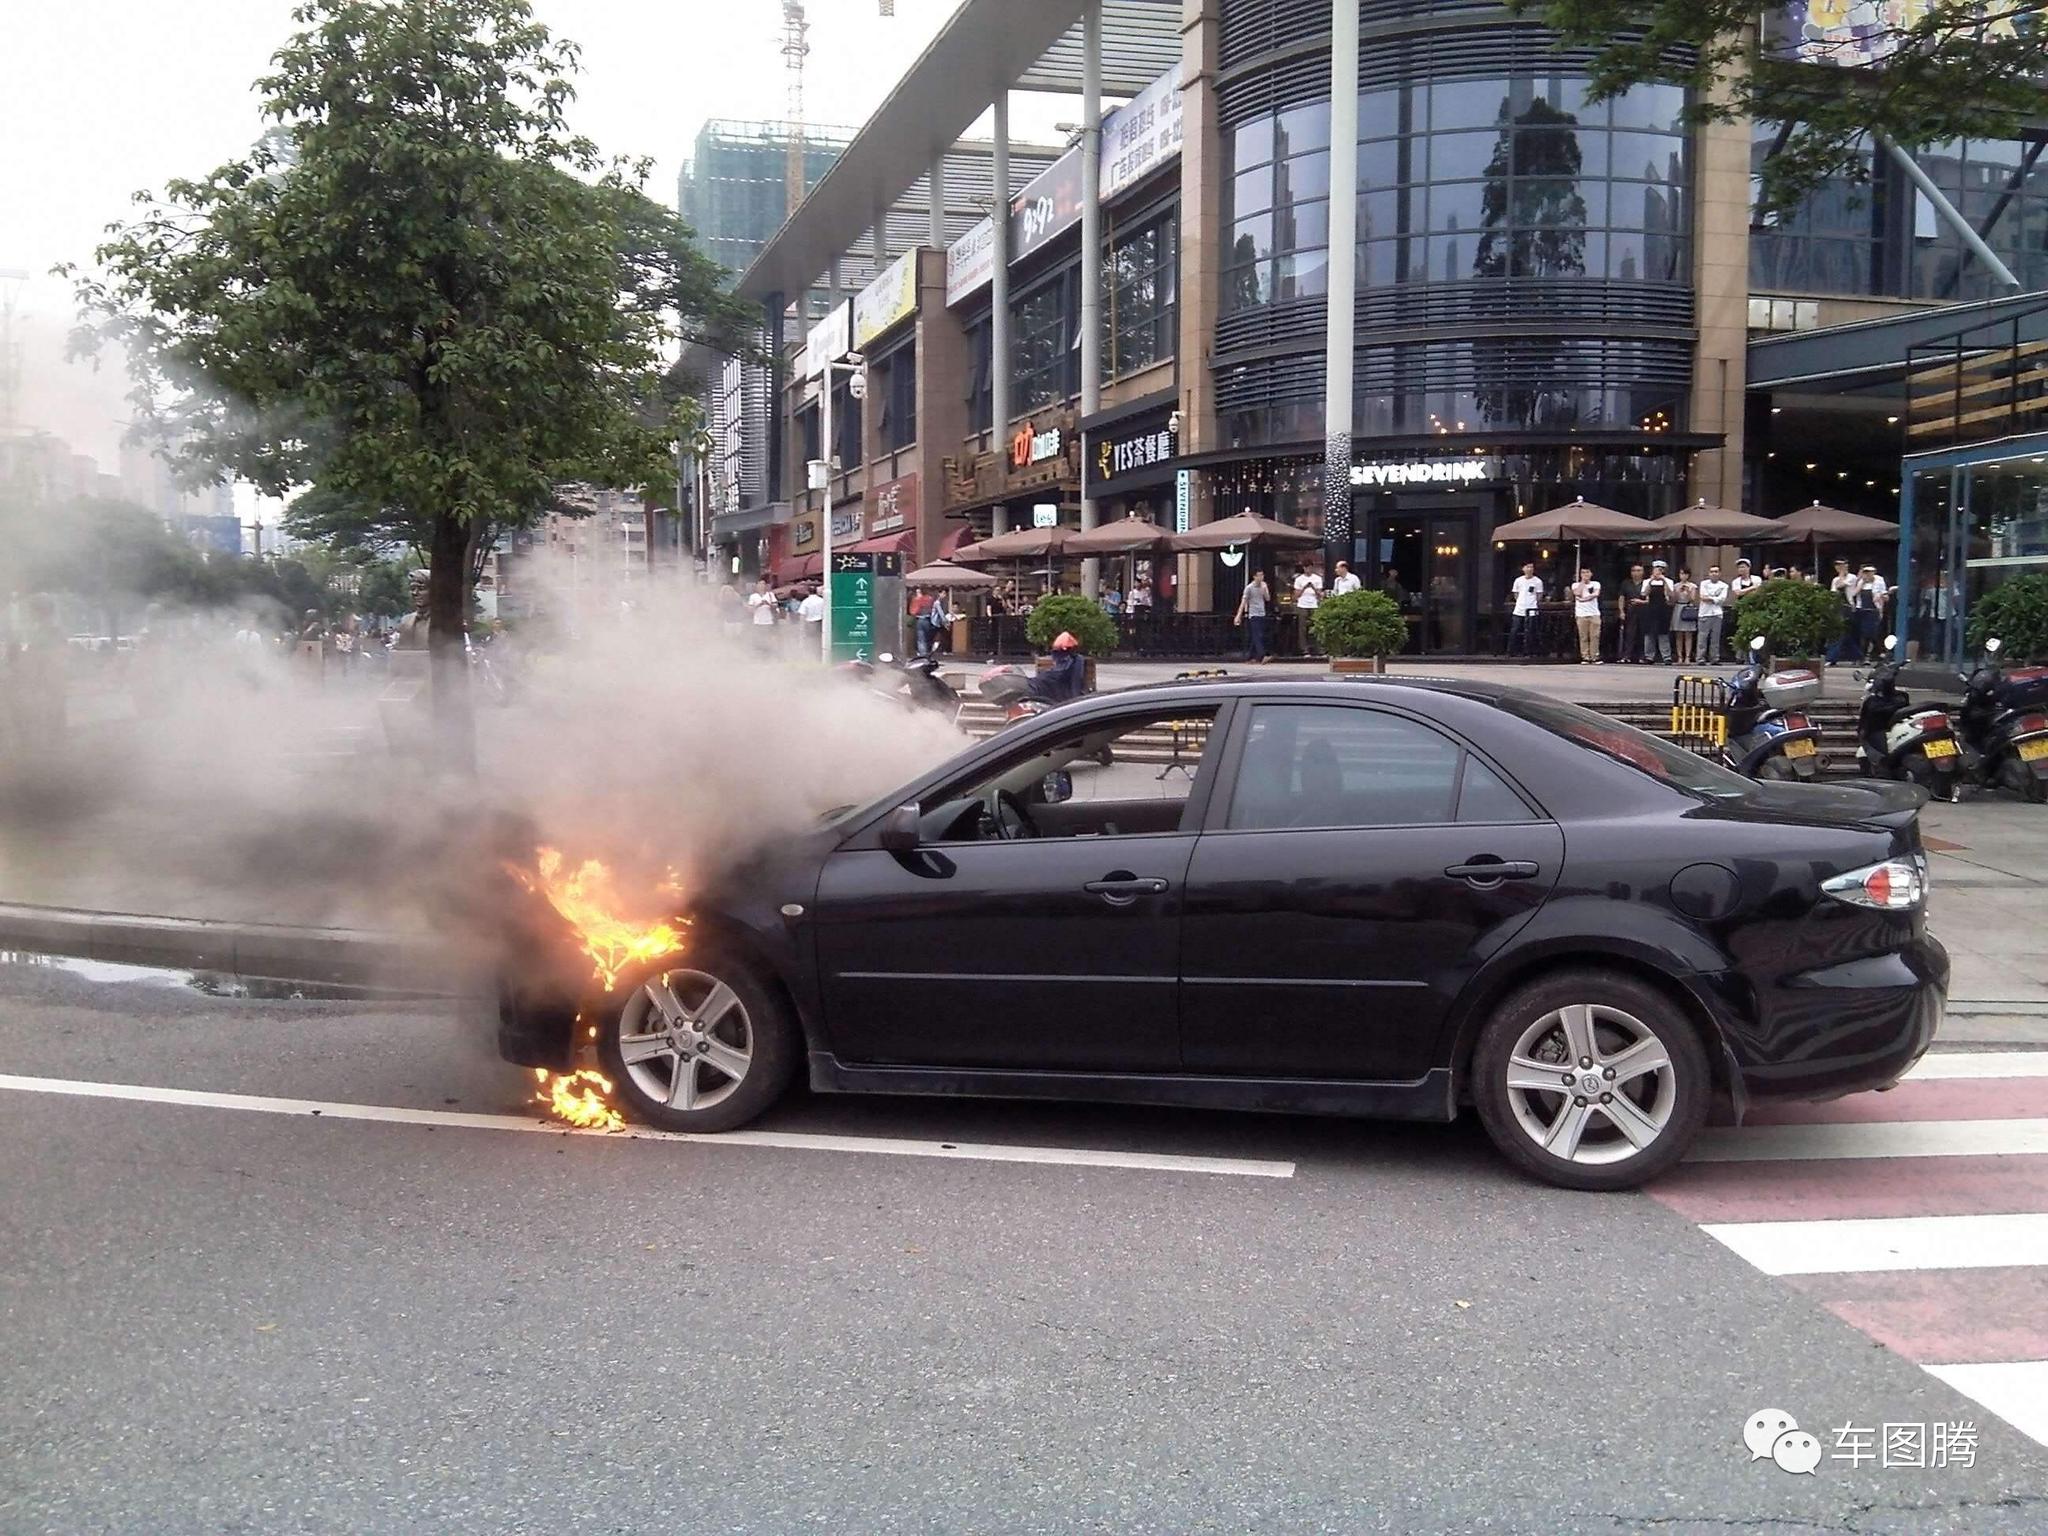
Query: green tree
(426,294)
(1950,69)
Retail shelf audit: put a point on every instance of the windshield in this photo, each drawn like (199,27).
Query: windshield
(1662,761)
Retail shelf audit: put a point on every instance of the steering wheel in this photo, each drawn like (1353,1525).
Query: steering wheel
(1011,820)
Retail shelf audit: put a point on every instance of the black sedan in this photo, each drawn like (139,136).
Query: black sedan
(1374,898)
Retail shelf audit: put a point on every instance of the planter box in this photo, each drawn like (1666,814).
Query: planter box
(1373,664)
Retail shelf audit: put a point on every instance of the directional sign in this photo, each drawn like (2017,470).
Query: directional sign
(853,607)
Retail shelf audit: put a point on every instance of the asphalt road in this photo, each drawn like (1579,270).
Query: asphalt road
(218,1320)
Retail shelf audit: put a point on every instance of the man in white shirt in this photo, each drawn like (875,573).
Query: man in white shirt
(1745,581)
(1308,597)
(1527,593)
(812,612)
(1844,587)
(1345,581)
(1585,594)
(1713,614)
(761,609)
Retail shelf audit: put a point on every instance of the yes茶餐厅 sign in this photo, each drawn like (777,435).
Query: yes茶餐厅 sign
(1114,452)
(1137,138)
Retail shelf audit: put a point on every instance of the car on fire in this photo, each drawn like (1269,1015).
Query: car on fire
(1384,897)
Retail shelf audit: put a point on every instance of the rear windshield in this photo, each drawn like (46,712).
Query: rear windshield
(1653,755)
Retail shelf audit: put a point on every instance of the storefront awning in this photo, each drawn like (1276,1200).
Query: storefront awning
(799,568)
(897,543)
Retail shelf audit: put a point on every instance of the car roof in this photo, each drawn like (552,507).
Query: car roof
(1322,685)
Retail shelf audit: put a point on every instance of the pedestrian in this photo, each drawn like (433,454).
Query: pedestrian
(810,615)
(1872,597)
(1112,599)
(1252,611)
(1346,581)
(1685,623)
(1713,613)
(1657,600)
(1844,588)
(1585,595)
(921,620)
(1308,596)
(1140,600)
(1628,608)
(1526,595)
(1745,581)
(732,609)
(940,618)
(761,608)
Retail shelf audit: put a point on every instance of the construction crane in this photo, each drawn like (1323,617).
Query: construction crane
(796,48)
(10,345)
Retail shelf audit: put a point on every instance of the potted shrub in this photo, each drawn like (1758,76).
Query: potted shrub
(1358,631)
(2016,611)
(1080,617)
(1798,621)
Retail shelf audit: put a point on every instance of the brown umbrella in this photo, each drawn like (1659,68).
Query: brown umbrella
(1576,520)
(1126,536)
(1712,524)
(1017,544)
(1245,528)
(1815,524)
(942,573)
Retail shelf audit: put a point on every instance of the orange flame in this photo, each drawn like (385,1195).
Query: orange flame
(588,900)
(579,1098)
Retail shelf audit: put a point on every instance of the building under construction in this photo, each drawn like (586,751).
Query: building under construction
(734,188)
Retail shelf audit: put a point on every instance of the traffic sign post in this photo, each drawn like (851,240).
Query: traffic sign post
(852,607)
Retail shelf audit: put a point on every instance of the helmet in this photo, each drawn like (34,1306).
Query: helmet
(1065,641)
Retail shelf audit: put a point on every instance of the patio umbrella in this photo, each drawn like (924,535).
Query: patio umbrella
(1245,528)
(1577,520)
(943,573)
(1713,524)
(1812,525)
(1017,544)
(1132,535)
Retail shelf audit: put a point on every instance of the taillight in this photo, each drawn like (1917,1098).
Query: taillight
(1896,885)
(1934,722)
(1796,722)
(2031,725)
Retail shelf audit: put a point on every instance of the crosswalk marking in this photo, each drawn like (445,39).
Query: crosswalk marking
(2015,1390)
(1872,1139)
(1970,1064)
(1887,1243)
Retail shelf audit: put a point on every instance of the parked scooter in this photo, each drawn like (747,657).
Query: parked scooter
(914,682)
(1768,735)
(1896,741)
(2003,723)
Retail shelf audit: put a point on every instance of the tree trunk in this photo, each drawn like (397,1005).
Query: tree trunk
(448,616)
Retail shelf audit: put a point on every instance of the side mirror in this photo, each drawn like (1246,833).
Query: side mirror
(1994,645)
(1891,642)
(899,832)
(1756,645)
(1057,787)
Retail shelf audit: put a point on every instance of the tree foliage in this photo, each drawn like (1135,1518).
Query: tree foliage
(1359,624)
(1081,617)
(2016,613)
(1796,618)
(1960,69)
(425,296)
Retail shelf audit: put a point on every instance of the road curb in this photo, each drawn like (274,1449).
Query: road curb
(255,951)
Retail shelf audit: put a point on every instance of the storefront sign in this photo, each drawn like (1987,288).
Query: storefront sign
(971,261)
(846,524)
(1183,500)
(1141,135)
(1127,449)
(1391,474)
(1848,36)
(829,340)
(888,301)
(1045,514)
(853,607)
(1030,446)
(804,533)
(895,503)
(1049,204)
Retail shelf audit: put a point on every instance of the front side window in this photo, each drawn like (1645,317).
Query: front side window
(1123,777)
(1324,765)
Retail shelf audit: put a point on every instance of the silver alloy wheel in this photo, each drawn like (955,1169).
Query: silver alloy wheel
(1591,1084)
(686,1040)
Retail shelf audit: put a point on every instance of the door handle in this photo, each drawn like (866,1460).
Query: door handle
(1121,890)
(1488,870)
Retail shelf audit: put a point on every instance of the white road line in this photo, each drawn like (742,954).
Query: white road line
(1863,1139)
(1863,1245)
(1966,1064)
(793,1141)
(2015,1390)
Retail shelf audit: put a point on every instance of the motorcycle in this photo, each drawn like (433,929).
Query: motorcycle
(914,682)
(2003,722)
(1768,737)
(1896,741)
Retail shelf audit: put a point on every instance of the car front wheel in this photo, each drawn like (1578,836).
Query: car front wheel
(702,1047)
(1590,1080)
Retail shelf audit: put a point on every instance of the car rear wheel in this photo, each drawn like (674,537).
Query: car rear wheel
(702,1047)
(1590,1080)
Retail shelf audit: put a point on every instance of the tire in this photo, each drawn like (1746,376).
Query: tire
(746,1045)
(1630,1021)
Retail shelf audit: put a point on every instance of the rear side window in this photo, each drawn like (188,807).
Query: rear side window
(1662,761)
(1318,765)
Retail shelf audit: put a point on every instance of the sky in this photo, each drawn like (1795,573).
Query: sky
(107,96)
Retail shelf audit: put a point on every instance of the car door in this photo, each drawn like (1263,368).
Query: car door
(1058,952)
(1359,863)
